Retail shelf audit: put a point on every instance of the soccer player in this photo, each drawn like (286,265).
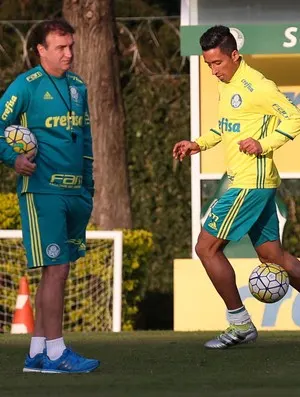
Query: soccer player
(250,109)
(55,189)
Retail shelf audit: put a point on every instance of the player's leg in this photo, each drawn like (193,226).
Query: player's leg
(43,236)
(77,217)
(266,240)
(230,219)
(210,251)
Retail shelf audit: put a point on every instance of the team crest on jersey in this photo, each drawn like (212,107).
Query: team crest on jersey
(53,250)
(236,101)
(74,93)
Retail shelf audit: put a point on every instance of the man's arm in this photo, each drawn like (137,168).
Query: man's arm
(88,159)
(12,104)
(188,148)
(209,140)
(273,102)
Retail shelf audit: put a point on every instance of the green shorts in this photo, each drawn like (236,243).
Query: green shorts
(242,211)
(54,227)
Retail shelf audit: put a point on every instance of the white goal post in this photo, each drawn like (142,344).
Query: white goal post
(116,238)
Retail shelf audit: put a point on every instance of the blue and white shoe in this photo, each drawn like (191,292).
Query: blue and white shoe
(34,364)
(69,362)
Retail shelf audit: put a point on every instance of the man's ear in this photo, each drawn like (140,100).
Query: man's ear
(41,49)
(235,55)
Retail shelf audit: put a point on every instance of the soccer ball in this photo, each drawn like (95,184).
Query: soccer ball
(21,139)
(268,282)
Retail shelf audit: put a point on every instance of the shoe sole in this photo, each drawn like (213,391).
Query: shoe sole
(31,370)
(67,372)
(248,339)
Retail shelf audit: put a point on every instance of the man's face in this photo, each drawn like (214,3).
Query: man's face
(57,55)
(222,66)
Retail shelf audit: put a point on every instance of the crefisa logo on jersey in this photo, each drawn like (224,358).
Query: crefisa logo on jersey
(53,250)
(236,101)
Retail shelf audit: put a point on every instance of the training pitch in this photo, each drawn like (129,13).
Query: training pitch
(167,364)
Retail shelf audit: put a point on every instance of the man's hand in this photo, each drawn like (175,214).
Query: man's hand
(185,148)
(250,146)
(24,164)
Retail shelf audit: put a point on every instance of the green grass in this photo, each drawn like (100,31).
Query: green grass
(167,364)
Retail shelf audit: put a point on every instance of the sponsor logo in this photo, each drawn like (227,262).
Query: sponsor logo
(290,35)
(53,250)
(230,178)
(271,313)
(47,96)
(86,118)
(280,110)
(293,97)
(239,37)
(9,107)
(227,126)
(66,181)
(247,85)
(34,76)
(64,121)
(213,225)
(236,101)
(214,219)
(79,243)
(75,78)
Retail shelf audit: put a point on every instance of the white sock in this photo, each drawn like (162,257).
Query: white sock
(37,345)
(55,348)
(238,316)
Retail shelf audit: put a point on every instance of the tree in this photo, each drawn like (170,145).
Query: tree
(97,62)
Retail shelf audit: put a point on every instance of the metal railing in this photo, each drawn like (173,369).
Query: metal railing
(148,45)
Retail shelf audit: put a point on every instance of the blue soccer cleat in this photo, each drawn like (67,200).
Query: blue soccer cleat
(34,364)
(69,362)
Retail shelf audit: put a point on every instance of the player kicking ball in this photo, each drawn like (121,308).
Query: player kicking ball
(250,109)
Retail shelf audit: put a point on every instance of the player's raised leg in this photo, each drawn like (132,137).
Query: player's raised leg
(273,252)
(230,218)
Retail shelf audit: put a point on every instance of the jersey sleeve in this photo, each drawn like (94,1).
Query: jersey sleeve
(273,102)
(209,140)
(88,159)
(12,104)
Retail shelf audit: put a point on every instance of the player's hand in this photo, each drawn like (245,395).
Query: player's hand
(250,146)
(24,165)
(185,148)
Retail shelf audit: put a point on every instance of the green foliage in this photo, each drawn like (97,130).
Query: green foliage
(87,277)
(289,190)
(136,8)
(157,114)
(9,212)
(29,9)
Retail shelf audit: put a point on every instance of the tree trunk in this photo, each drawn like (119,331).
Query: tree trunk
(97,62)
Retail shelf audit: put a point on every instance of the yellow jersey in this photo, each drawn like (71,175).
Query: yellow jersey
(251,106)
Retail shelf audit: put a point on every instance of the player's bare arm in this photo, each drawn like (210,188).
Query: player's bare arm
(185,148)
(250,146)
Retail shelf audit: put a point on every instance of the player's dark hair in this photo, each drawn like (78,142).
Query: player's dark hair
(40,33)
(218,36)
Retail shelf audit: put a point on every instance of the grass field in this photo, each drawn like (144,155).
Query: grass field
(144,364)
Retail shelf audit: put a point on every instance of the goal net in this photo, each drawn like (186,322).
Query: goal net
(93,295)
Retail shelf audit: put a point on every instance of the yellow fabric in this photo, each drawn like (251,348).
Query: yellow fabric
(251,106)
